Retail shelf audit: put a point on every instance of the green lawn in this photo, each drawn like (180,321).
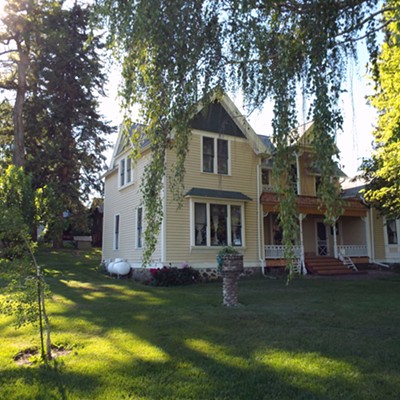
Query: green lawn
(314,339)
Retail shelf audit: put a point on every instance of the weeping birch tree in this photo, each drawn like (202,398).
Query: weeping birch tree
(382,170)
(175,53)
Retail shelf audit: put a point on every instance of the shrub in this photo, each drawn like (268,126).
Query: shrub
(172,276)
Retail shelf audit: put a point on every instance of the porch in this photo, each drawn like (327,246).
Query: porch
(317,243)
(350,258)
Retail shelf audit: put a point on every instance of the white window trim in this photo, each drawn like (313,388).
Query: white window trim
(136,227)
(117,240)
(124,161)
(215,167)
(208,203)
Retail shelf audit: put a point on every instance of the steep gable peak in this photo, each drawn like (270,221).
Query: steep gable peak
(219,114)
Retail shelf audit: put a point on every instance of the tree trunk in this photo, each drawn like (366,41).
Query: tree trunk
(58,232)
(19,134)
(47,324)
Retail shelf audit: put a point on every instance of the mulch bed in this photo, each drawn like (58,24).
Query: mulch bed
(24,357)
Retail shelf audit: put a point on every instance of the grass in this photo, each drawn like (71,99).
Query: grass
(314,339)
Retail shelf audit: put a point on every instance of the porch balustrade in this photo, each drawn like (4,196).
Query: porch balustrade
(353,250)
(277,251)
(268,188)
(273,251)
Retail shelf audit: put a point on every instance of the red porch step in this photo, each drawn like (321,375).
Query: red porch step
(327,266)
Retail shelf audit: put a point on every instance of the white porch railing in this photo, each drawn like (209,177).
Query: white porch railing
(268,188)
(353,250)
(276,251)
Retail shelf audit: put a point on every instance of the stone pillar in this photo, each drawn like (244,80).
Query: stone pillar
(232,266)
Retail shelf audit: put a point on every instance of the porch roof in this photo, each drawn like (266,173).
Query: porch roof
(217,194)
(312,205)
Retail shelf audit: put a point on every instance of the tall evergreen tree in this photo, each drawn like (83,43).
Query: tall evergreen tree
(65,133)
(59,135)
(19,29)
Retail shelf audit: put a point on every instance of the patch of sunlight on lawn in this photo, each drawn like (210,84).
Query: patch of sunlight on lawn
(216,352)
(94,291)
(119,346)
(312,364)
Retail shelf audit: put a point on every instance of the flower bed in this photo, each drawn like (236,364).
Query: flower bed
(172,276)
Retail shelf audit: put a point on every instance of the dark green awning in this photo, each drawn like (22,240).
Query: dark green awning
(217,194)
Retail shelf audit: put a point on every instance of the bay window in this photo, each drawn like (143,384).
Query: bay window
(217,224)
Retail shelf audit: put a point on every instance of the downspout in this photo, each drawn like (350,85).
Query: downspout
(298,187)
(372,240)
(164,225)
(373,261)
(302,256)
(260,254)
(298,182)
(371,219)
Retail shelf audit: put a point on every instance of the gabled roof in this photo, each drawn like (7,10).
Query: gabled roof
(353,192)
(123,140)
(238,122)
(236,125)
(305,132)
(267,143)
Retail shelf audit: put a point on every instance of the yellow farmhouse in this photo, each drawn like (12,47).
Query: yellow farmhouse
(230,201)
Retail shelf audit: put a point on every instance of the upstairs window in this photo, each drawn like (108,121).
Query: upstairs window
(293,175)
(317,184)
(215,155)
(122,172)
(265,176)
(128,170)
(208,154)
(222,146)
(125,171)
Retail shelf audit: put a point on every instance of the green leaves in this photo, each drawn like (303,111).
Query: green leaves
(383,169)
(17,211)
(175,53)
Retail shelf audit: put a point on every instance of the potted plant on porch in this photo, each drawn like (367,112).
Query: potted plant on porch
(230,264)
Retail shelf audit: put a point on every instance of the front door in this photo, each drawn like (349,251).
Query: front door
(322,240)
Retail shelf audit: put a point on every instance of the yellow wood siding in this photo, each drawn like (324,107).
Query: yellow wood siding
(124,202)
(379,239)
(243,178)
(352,231)
(309,236)
(307,181)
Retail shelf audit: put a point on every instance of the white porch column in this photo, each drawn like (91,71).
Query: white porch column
(303,266)
(335,249)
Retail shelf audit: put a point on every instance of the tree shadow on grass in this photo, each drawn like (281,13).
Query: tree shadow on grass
(249,352)
(301,342)
(47,382)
